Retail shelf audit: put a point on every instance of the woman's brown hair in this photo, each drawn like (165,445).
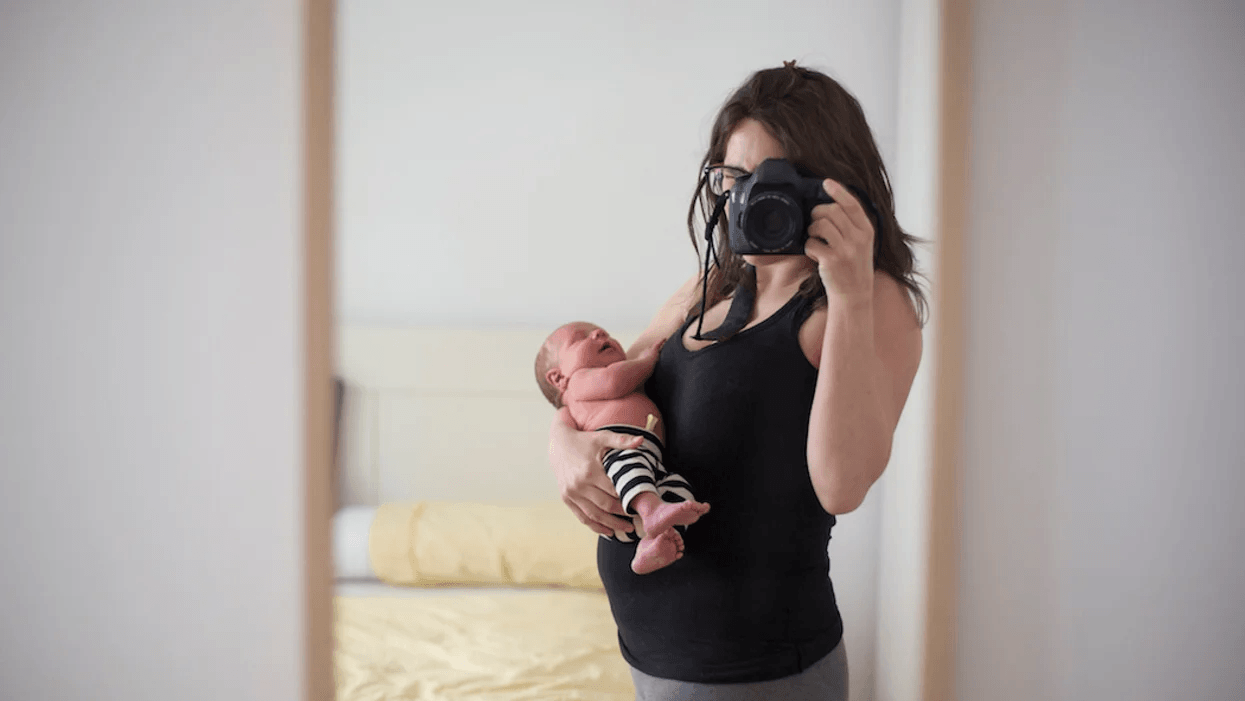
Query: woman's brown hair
(822,130)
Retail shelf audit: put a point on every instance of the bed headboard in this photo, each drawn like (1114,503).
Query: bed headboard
(449,414)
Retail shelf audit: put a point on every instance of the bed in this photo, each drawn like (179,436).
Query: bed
(460,575)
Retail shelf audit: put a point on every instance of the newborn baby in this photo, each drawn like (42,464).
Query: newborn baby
(585,374)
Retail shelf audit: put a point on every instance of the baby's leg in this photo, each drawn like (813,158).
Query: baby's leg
(631,471)
(659,516)
(635,473)
(655,552)
(675,491)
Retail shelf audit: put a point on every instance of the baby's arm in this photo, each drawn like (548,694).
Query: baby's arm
(614,381)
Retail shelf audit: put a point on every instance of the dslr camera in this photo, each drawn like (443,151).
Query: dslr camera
(771,209)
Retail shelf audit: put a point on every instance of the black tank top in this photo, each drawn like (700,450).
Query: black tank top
(751,599)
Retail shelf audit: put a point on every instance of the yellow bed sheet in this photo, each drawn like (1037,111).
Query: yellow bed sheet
(557,644)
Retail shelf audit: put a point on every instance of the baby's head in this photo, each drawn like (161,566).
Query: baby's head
(572,347)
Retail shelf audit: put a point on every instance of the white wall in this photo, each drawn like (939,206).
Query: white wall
(1105,460)
(511,164)
(524,164)
(150,372)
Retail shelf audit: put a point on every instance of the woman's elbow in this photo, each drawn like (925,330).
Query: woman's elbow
(840,502)
(842,491)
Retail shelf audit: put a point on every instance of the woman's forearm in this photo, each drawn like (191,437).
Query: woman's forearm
(849,437)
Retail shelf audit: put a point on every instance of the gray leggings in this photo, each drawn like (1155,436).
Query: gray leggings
(826,680)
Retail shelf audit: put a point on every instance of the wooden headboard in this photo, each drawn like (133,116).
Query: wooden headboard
(450,414)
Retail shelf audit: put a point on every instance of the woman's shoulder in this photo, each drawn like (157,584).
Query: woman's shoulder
(894,315)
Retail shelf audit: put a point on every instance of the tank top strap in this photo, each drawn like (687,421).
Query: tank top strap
(799,310)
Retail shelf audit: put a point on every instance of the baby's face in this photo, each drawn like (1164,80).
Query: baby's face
(583,345)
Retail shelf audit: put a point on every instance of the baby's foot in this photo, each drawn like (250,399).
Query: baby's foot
(666,516)
(654,553)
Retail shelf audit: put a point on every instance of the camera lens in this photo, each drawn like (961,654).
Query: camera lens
(772,221)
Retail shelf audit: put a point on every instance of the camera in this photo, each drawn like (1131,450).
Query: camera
(771,209)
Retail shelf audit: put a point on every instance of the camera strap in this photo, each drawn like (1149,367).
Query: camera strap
(739,313)
(745,292)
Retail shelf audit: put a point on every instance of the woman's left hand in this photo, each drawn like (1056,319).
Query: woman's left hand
(840,239)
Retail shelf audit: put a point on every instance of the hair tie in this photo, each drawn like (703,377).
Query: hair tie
(788,64)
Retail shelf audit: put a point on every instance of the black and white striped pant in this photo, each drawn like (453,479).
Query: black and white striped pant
(637,470)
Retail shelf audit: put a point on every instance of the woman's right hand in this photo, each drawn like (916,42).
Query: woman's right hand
(576,460)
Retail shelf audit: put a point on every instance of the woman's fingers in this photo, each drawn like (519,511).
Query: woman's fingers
(606,499)
(826,230)
(619,440)
(598,491)
(583,518)
(592,498)
(817,249)
(609,520)
(851,206)
(603,504)
(840,239)
(598,509)
(842,222)
(586,490)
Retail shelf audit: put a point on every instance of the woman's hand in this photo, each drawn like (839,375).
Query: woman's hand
(840,239)
(576,460)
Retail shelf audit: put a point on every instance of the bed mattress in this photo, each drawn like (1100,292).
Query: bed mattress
(484,645)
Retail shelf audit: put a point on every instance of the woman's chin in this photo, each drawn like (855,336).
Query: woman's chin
(762,261)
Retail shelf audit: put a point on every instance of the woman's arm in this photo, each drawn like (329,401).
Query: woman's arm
(867,354)
(867,358)
(575,455)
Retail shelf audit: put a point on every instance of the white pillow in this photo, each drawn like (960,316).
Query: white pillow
(351,526)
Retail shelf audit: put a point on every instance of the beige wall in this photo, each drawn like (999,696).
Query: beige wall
(151,478)
(1104,459)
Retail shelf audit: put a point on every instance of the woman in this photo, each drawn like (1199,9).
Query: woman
(778,426)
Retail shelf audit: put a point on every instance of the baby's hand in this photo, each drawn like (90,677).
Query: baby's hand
(650,354)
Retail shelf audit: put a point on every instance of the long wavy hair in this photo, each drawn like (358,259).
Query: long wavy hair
(822,130)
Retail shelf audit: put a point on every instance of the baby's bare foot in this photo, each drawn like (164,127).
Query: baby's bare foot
(654,553)
(666,516)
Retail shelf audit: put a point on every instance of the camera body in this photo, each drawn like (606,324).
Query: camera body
(771,209)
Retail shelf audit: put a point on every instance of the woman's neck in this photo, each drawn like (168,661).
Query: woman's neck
(781,275)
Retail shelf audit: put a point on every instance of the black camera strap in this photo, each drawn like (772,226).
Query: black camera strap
(745,293)
(739,313)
